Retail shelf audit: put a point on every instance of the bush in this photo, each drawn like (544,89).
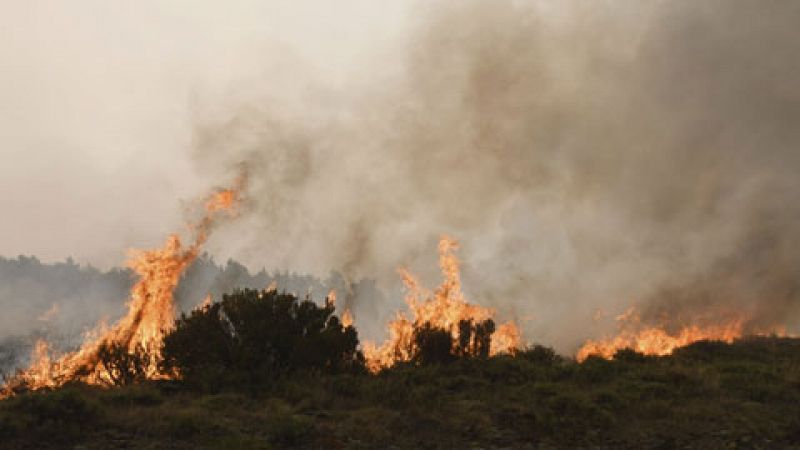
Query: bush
(433,345)
(122,366)
(252,336)
(629,355)
(475,339)
(540,354)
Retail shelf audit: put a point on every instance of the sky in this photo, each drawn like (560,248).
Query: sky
(590,156)
(96,122)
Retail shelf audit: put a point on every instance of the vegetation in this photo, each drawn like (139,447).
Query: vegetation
(122,366)
(60,301)
(255,336)
(431,345)
(707,395)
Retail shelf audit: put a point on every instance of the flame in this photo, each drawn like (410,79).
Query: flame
(331,298)
(655,340)
(151,309)
(347,318)
(444,308)
(207,301)
(221,201)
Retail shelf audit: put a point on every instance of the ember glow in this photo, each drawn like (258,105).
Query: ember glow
(444,309)
(656,340)
(151,310)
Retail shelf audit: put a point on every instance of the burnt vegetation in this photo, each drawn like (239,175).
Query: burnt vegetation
(263,369)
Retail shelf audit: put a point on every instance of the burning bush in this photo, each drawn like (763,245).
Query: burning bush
(471,329)
(434,345)
(259,335)
(124,367)
(115,355)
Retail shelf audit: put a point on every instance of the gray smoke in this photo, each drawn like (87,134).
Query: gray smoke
(589,156)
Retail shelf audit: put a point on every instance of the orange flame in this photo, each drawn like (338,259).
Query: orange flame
(655,340)
(207,301)
(444,309)
(331,298)
(347,318)
(151,310)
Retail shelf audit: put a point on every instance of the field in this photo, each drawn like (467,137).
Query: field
(707,395)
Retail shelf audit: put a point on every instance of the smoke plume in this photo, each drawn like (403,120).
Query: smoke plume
(589,158)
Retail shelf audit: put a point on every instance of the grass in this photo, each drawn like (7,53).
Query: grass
(708,395)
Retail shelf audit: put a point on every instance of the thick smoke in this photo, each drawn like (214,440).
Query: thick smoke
(588,156)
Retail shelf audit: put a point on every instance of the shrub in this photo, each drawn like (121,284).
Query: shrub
(256,335)
(474,339)
(122,366)
(629,355)
(540,354)
(434,345)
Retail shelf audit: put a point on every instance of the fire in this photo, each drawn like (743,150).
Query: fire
(655,340)
(444,309)
(151,310)
(221,201)
(207,301)
(331,298)
(347,318)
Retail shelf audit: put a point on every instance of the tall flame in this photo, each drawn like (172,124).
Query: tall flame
(151,309)
(444,309)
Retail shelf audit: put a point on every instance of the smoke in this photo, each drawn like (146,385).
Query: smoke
(588,156)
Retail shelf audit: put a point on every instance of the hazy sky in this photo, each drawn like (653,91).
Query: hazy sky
(95,117)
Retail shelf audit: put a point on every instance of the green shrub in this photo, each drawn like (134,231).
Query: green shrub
(539,354)
(253,336)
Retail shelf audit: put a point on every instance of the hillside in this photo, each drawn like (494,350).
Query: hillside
(707,395)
